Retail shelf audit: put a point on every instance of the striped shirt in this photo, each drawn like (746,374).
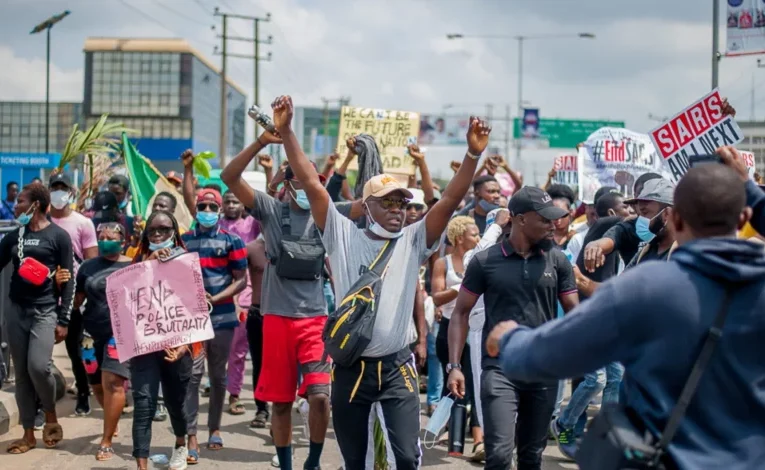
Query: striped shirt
(220,254)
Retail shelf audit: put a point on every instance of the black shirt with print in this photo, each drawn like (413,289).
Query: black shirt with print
(52,247)
(91,280)
(525,290)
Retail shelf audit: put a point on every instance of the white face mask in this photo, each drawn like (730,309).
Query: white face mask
(438,420)
(379,230)
(59,199)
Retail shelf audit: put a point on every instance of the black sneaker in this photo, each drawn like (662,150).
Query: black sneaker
(39,420)
(83,405)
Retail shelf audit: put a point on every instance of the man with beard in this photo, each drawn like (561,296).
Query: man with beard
(522,278)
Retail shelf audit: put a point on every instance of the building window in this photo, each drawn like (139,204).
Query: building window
(164,99)
(164,66)
(144,99)
(5,130)
(24,130)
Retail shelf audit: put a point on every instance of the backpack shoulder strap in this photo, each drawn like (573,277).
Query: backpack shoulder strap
(672,250)
(286,225)
(381,262)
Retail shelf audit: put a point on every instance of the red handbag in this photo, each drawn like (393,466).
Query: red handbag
(31,270)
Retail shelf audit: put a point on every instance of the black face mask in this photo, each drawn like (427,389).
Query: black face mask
(657,224)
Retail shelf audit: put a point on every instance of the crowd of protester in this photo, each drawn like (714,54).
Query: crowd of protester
(490,307)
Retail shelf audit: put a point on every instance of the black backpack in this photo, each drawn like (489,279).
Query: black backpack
(300,259)
(348,330)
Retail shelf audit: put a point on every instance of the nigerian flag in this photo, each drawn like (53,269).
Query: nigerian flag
(146,182)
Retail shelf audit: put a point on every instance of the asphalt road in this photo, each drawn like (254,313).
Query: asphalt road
(244,448)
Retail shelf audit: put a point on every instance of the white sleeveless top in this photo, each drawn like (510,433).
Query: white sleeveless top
(452,279)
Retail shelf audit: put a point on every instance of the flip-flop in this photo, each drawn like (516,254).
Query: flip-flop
(52,434)
(20,446)
(215,440)
(193,457)
(104,453)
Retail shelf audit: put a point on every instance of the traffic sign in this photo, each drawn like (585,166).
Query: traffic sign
(564,133)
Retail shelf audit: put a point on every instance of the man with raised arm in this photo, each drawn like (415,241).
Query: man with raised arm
(385,374)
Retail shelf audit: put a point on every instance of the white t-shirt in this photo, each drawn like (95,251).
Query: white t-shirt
(350,249)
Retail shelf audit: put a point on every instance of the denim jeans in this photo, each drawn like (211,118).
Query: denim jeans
(593,384)
(614,374)
(435,374)
(559,398)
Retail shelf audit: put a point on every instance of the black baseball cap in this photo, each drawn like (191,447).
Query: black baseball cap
(104,201)
(531,199)
(603,191)
(60,178)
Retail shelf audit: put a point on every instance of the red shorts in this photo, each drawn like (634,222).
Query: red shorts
(289,343)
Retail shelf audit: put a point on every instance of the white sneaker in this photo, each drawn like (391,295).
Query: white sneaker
(178,459)
(275,461)
(303,409)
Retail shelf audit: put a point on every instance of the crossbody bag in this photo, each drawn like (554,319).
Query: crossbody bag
(299,258)
(616,440)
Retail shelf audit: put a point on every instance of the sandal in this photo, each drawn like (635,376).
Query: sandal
(104,453)
(193,457)
(261,418)
(215,443)
(479,453)
(52,434)
(20,446)
(236,408)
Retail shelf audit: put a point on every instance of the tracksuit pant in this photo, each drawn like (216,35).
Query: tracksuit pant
(255,342)
(74,351)
(391,381)
(31,336)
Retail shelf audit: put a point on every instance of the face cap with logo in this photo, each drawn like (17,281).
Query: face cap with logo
(656,190)
(382,185)
(531,199)
(60,178)
(104,204)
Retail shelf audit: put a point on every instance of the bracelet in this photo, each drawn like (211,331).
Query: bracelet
(261,143)
(473,157)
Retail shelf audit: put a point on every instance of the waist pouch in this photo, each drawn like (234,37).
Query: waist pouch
(298,259)
(33,271)
(348,330)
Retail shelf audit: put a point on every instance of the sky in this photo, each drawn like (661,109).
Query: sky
(651,57)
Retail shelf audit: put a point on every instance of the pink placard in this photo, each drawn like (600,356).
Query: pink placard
(155,306)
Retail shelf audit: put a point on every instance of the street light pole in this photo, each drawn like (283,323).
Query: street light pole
(715,41)
(521,40)
(46,26)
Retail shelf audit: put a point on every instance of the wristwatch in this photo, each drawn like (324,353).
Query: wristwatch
(450,367)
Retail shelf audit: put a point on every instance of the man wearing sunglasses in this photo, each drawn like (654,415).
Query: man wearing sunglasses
(223,258)
(384,379)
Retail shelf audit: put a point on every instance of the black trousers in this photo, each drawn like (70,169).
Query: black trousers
(146,373)
(442,352)
(515,410)
(392,382)
(255,340)
(73,350)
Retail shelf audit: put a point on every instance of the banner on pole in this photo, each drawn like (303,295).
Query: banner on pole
(745,27)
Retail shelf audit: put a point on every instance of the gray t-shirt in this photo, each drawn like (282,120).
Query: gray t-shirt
(350,249)
(280,296)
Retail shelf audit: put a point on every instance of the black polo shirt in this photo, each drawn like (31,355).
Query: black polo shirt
(525,290)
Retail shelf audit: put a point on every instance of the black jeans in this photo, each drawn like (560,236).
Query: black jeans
(515,410)
(74,351)
(389,384)
(255,340)
(442,351)
(146,373)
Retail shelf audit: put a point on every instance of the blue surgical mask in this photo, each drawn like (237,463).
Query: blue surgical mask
(487,206)
(23,219)
(438,420)
(123,204)
(207,219)
(642,228)
(169,243)
(379,230)
(301,199)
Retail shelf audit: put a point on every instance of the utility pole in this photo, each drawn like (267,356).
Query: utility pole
(715,41)
(508,131)
(256,57)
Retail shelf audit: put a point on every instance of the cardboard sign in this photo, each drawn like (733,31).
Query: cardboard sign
(566,170)
(699,129)
(392,130)
(615,157)
(155,306)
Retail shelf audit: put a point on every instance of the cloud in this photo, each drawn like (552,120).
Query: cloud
(24,79)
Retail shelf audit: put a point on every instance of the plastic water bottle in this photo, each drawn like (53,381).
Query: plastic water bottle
(457,424)
(158,461)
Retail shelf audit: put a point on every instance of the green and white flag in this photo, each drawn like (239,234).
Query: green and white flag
(146,182)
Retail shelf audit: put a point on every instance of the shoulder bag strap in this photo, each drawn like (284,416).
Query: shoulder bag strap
(20,250)
(689,389)
(286,227)
(381,262)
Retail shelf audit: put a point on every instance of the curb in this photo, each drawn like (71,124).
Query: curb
(9,411)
